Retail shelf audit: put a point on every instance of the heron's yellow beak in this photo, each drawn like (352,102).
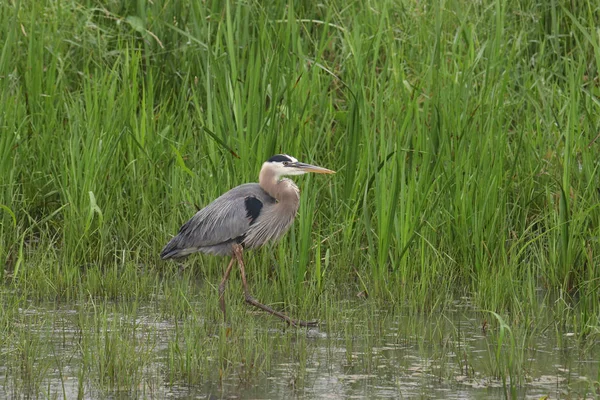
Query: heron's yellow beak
(312,168)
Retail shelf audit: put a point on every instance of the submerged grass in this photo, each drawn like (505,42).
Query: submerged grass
(465,136)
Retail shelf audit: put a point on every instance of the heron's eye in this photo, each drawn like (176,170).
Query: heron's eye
(285,163)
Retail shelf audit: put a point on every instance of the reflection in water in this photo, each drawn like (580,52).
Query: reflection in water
(71,352)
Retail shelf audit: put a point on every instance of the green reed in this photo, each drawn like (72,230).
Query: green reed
(464,135)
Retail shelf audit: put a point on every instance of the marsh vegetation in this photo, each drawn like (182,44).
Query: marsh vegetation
(455,252)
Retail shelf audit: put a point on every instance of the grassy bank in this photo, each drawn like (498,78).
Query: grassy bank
(465,136)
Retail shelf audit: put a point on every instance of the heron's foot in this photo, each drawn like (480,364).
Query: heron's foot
(307,324)
(293,322)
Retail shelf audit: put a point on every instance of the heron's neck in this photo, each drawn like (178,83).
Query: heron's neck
(284,189)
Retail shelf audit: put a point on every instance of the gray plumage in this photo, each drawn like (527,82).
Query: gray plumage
(226,221)
(251,214)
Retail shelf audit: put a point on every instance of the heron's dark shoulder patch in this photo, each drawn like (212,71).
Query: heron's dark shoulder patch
(279,158)
(253,207)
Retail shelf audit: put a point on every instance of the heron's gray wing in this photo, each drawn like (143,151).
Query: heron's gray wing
(225,220)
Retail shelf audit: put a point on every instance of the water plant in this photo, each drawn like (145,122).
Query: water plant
(465,136)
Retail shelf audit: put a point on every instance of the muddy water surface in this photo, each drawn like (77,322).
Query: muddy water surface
(52,351)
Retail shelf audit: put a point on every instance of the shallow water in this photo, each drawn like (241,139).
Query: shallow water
(61,352)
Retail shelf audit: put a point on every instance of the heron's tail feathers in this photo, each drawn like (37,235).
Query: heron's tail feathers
(179,247)
(173,249)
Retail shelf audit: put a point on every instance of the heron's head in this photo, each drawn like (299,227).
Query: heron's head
(282,165)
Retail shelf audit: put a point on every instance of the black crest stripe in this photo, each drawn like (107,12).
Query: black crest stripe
(279,158)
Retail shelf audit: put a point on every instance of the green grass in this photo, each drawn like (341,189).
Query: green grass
(465,136)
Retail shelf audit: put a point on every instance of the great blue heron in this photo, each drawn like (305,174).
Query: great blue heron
(247,216)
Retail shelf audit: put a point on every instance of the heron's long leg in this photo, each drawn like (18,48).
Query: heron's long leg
(237,251)
(222,287)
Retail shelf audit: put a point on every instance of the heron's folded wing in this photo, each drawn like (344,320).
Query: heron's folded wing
(227,218)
